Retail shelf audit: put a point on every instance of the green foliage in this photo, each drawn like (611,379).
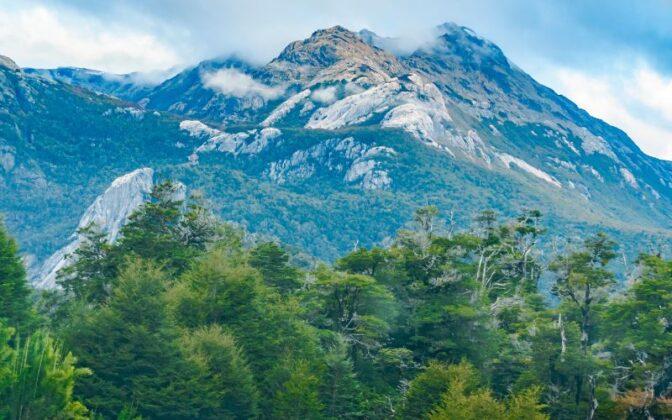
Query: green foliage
(156,232)
(90,277)
(462,400)
(340,387)
(179,319)
(217,289)
(426,390)
(37,378)
(355,306)
(298,396)
(273,264)
(641,336)
(133,351)
(231,388)
(15,305)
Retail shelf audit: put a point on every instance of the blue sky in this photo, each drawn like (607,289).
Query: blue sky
(614,58)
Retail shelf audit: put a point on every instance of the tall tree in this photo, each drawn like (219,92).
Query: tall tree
(15,305)
(225,373)
(133,351)
(581,280)
(273,263)
(640,336)
(95,267)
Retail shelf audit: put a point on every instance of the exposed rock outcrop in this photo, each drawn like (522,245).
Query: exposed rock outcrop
(109,212)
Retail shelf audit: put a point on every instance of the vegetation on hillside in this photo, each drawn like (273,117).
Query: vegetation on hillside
(183,318)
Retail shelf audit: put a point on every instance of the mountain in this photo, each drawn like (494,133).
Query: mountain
(333,143)
(61,145)
(130,86)
(460,95)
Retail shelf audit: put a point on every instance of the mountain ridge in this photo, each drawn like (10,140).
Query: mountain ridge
(343,131)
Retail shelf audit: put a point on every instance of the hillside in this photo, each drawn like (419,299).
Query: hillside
(333,143)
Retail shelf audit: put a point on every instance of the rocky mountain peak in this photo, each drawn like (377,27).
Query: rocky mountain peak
(8,63)
(324,47)
(336,48)
(467,45)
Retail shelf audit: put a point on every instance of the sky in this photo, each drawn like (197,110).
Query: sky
(612,57)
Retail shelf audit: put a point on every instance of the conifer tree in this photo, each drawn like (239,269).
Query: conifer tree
(15,305)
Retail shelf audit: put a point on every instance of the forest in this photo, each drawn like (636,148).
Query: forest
(187,316)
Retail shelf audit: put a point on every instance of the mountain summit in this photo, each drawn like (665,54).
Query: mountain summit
(341,51)
(8,63)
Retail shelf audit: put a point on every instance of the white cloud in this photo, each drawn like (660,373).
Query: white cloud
(38,37)
(325,95)
(637,101)
(654,91)
(233,82)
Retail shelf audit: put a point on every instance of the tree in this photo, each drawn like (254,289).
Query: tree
(218,289)
(640,334)
(355,306)
(298,398)
(133,351)
(581,279)
(225,372)
(156,231)
(581,276)
(363,261)
(95,266)
(15,306)
(426,390)
(340,388)
(273,263)
(222,289)
(463,401)
(556,364)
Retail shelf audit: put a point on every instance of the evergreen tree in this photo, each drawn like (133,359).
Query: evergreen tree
(298,397)
(462,400)
(95,267)
(15,305)
(340,388)
(224,371)
(273,264)
(156,230)
(133,352)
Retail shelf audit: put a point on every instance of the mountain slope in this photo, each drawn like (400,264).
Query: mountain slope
(461,95)
(61,145)
(130,87)
(333,143)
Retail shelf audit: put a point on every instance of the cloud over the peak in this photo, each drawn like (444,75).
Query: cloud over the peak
(325,95)
(233,82)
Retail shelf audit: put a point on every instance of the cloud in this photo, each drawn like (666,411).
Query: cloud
(325,95)
(233,82)
(654,91)
(154,77)
(39,37)
(637,101)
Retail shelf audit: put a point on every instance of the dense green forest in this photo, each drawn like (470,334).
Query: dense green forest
(186,317)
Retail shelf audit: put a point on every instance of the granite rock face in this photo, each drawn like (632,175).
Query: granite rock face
(108,213)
